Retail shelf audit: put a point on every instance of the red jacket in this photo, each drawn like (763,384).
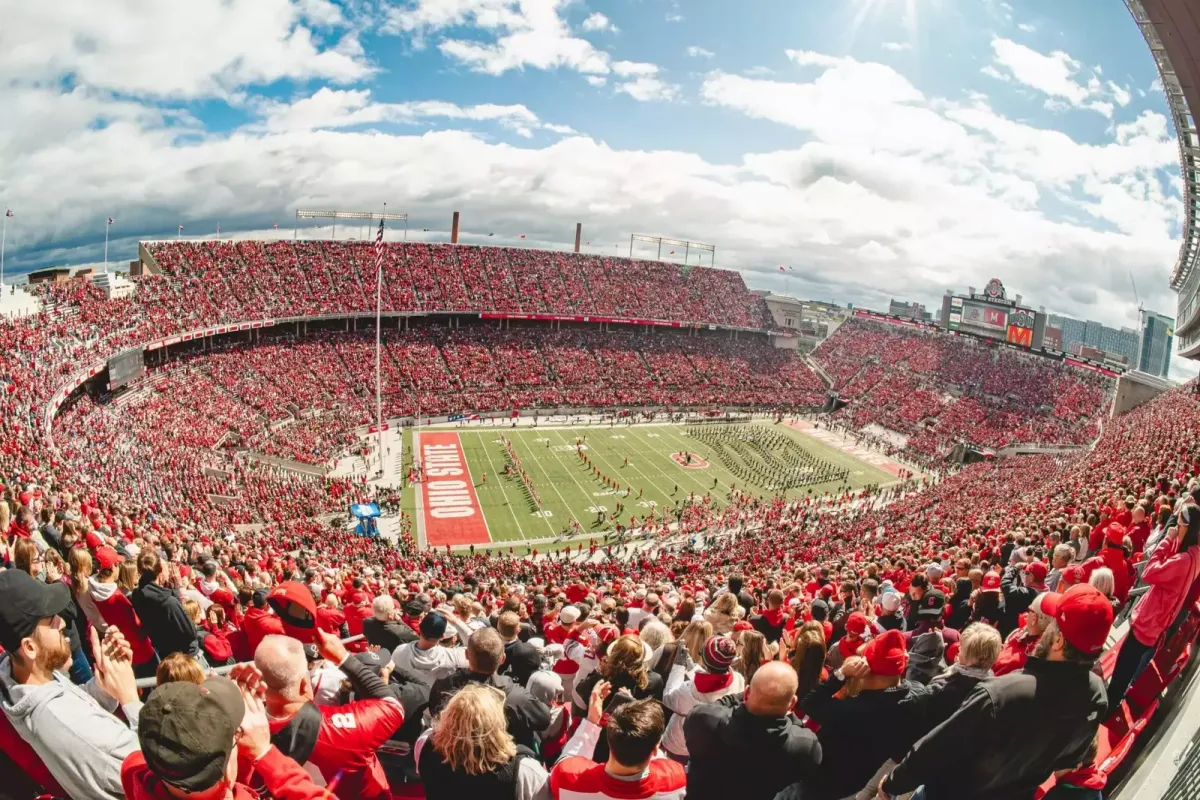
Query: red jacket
(283,778)
(578,778)
(330,620)
(257,623)
(346,745)
(117,610)
(355,614)
(1170,575)
(1114,559)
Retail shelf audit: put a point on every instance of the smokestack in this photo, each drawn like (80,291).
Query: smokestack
(454,229)
(578,235)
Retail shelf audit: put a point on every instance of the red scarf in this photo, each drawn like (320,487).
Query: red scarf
(707,682)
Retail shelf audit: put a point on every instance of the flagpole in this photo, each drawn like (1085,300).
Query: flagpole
(379,342)
(107,225)
(3,236)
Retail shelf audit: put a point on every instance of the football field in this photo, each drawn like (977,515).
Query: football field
(582,473)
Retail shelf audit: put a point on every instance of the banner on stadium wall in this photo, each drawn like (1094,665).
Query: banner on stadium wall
(570,318)
(461,417)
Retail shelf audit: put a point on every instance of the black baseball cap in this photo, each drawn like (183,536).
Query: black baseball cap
(433,626)
(24,602)
(416,606)
(932,604)
(375,660)
(187,731)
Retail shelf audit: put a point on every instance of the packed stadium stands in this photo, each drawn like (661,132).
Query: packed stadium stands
(149,472)
(937,389)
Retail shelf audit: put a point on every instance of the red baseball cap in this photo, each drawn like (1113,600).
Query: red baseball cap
(107,558)
(1038,570)
(1115,534)
(294,604)
(1084,615)
(991,583)
(742,625)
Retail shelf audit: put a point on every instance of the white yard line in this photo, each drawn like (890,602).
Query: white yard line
(704,487)
(500,480)
(587,496)
(419,501)
(467,463)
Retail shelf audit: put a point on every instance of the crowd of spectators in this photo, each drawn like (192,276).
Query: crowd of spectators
(948,617)
(937,390)
(227,282)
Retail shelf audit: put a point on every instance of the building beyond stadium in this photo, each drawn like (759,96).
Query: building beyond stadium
(1172,30)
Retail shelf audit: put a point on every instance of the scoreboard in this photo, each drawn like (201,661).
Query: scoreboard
(992,315)
(125,368)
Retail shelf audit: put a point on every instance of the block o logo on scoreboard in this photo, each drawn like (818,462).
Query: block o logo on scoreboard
(994,290)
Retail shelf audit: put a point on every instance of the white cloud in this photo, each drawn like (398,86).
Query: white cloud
(647,88)
(598,22)
(695,51)
(897,47)
(525,33)
(1025,26)
(198,49)
(1156,85)
(595,80)
(330,109)
(1057,75)
(628,68)
(674,17)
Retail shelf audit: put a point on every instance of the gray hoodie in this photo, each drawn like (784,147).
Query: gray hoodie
(73,731)
(432,664)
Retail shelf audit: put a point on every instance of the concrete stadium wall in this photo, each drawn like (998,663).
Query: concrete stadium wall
(1134,389)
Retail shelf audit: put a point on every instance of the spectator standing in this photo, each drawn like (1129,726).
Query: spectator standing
(1057,691)
(427,659)
(768,745)
(977,652)
(1021,643)
(1171,573)
(521,659)
(191,736)
(687,689)
(117,610)
(526,716)
(259,621)
(1114,557)
(868,693)
(470,753)
(1020,584)
(383,628)
(632,771)
(161,611)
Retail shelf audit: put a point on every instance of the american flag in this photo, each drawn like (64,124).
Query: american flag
(379,250)
(110,220)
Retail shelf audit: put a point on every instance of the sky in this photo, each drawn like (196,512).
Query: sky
(877,148)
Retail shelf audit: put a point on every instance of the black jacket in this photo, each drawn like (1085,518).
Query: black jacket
(164,620)
(389,635)
(1012,732)
(947,692)
(1017,598)
(734,753)
(853,745)
(521,660)
(526,715)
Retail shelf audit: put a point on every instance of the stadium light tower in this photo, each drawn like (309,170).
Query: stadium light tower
(687,246)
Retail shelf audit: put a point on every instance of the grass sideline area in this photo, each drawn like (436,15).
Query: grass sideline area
(569,488)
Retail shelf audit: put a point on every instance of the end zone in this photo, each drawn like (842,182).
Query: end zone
(448,510)
(847,446)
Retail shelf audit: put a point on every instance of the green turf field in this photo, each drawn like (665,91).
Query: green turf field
(570,490)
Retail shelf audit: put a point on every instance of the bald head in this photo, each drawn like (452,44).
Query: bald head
(772,690)
(281,661)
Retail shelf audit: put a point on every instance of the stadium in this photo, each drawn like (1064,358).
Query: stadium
(241,446)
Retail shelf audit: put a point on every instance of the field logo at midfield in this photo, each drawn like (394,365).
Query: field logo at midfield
(451,510)
(697,461)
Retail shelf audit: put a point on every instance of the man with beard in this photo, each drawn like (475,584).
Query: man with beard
(988,748)
(70,728)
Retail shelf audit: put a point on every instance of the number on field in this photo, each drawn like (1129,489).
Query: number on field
(652,436)
(497,441)
(543,514)
(597,509)
(647,504)
(616,436)
(542,439)
(605,493)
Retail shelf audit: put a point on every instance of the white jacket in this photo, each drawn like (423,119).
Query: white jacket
(681,696)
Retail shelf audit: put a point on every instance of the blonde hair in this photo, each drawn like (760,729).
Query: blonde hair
(178,667)
(726,604)
(80,561)
(626,657)
(694,636)
(192,609)
(471,734)
(127,576)
(752,653)
(979,646)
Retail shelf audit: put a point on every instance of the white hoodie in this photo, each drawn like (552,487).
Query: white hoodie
(681,696)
